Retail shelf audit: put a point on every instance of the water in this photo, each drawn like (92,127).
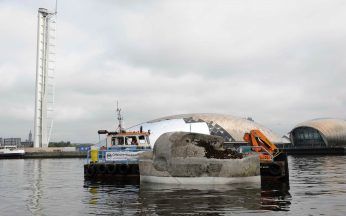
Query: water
(56,187)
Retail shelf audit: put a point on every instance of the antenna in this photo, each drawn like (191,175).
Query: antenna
(56,6)
(120,118)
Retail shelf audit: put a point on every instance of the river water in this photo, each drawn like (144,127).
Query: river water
(56,187)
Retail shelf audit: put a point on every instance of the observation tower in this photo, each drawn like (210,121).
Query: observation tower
(45,64)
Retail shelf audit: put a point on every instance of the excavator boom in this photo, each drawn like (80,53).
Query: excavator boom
(257,138)
(273,163)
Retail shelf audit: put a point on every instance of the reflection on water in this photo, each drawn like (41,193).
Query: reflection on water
(168,199)
(34,200)
(108,198)
(56,187)
(161,199)
(319,184)
(275,196)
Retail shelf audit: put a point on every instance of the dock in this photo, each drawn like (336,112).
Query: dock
(53,153)
(31,153)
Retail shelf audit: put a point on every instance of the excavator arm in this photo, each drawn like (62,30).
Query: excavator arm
(257,139)
(273,163)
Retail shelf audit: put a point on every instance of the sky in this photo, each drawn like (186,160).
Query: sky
(279,62)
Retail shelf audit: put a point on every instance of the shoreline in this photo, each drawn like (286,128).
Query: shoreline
(31,153)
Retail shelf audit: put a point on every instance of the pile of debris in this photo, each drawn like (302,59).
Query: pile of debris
(211,152)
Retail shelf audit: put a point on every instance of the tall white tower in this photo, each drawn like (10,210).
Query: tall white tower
(45,64)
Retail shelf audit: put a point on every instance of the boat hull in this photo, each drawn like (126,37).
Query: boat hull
(112,171)
(11,155)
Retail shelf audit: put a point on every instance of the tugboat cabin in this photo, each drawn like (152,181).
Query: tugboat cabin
(126,139)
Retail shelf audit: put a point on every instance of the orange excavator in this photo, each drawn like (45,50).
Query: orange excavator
(273,162)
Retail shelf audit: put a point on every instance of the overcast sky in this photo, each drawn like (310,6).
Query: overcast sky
(280,62)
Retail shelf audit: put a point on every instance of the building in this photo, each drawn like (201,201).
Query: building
(12,142)
(28,143)
(319,133)
(1,141)
(231,128)
(30,136)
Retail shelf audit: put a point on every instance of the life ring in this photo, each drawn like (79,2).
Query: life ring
(122,169)
(101,169)
(275,169)
(111,168)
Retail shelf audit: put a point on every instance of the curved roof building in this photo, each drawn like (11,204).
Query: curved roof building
(327,132)
(229,127)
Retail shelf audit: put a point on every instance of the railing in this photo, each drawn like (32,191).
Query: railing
(312,146)
(253,149)
(119,154)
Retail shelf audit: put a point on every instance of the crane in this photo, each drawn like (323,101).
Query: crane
(267,150)
(273,162)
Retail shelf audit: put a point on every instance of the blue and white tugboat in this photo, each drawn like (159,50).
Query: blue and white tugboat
(118,159)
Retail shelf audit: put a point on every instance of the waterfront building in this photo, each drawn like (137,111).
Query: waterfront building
(30,136)
(319,133)
(12,142)
(28,143)
(231,128)
(1,141)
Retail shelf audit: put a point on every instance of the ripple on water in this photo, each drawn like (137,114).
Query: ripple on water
(56,187)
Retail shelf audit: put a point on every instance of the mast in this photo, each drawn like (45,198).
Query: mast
(120,119)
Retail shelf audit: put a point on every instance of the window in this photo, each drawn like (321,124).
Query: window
(131,140)
(119,141)
(142,140)
(306,136)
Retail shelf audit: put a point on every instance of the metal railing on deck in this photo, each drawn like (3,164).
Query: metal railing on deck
(256,149)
